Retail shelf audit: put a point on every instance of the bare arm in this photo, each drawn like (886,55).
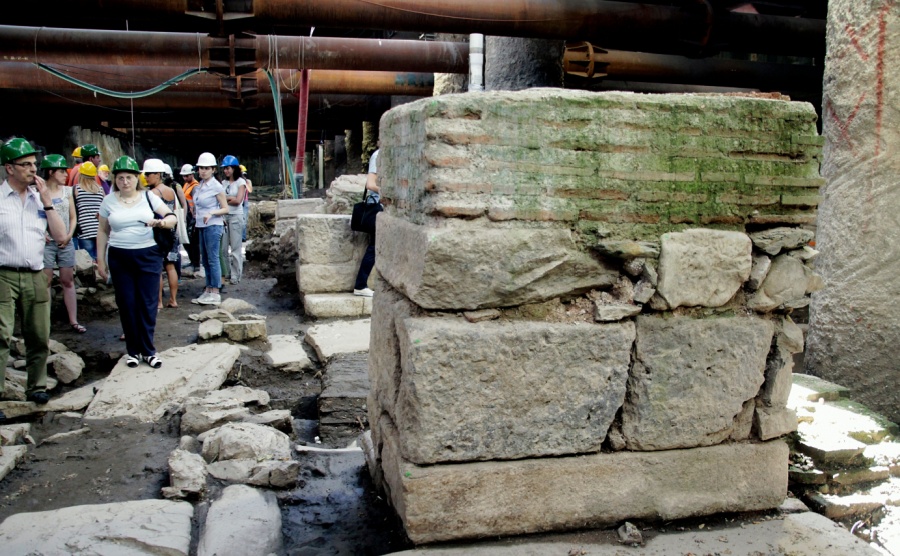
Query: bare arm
(102,240)
(181,197)
(54,220)
(238,198)
(73,219)
(371,183)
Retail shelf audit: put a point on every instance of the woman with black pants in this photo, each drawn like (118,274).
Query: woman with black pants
(127,219)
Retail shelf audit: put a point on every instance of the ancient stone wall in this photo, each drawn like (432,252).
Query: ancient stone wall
(582,309)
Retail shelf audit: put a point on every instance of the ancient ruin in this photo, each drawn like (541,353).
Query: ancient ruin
(582,307)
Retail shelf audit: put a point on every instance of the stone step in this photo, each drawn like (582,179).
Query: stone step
(339,337)
(831,451)
(326,305)
(342,404)
(815,388)
(10,458)
(844,507)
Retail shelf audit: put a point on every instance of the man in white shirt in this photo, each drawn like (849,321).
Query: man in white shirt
(26,214)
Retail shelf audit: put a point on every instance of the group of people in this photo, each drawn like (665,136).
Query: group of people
(44,219)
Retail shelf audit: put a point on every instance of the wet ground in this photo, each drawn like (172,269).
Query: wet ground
(335,508)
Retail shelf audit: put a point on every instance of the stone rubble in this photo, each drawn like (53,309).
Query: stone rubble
(287,353)
(242,521)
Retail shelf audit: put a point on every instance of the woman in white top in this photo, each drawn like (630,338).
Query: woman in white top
(127,218)
(61,254)
(235,191)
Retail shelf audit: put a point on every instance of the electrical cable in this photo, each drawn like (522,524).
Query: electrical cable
(116,94)
(276,96)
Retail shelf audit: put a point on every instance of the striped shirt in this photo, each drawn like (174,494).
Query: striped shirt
(22,228)
(88,206)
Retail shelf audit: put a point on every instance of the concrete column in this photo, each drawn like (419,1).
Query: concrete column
(513,64)
(855,321)
(330,161)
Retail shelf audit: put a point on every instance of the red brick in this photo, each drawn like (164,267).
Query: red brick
(619,217)
(736,199)
(722,219)
(498,214)
(783,219)
(589,193)
(670,197)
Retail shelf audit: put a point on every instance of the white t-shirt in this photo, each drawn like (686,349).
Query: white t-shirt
(127,222)
(231,189)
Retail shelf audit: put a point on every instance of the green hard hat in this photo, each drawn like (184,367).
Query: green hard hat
(125,164)
(89,150)
(15,148)
(54,161)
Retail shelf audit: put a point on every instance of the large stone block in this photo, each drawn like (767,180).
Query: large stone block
(488,499)
(328,239)
(507,390)
(326,278)
(290,208)
(389,307)
(691,378)
(703,267)
(473,267)
(326,305)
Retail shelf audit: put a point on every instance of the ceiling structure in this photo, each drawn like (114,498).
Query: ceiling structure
(363,53)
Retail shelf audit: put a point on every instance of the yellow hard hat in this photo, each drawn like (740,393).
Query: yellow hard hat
(88,169)
(143,179)
(77,152)
(103,168)
(243,169)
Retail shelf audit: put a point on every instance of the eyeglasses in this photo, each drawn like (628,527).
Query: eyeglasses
(25,164)
(204,168)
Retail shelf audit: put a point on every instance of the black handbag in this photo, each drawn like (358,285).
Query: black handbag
(165,239)
(363,217)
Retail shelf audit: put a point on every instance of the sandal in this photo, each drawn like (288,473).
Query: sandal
(78,328)
(154,361)
(133,361)
(122,338)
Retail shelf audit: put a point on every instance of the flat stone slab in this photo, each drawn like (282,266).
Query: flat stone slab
(126,528)
(326,305)
(145,393)
(287,353)
(814,388)
(471,500)
(12,434)
(508,389)
(10,458)
(243,521)
(291,208)
(797,534)
(75,400)
(339,337)
(342,403)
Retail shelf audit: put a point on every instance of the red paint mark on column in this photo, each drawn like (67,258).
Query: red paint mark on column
(879,75)
(854,40)
(844,125)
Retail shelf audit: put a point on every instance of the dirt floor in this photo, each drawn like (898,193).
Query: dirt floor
(335,508)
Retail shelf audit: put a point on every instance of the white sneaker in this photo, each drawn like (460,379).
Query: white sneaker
(210,299)
(199,300)
(365,292)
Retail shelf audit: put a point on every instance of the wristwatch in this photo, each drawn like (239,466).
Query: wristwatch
(49,208)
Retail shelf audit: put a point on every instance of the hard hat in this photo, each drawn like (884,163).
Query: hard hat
(88,169)
(125,164)
(103,168)
(143,179)
(77,152)
(187,170)
(230,161)
(154,166)
(243,169)
(53,161)
(89,150)
(168,171)
(206,159)
(15,148)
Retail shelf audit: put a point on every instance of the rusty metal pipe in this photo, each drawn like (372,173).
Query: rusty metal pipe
(191,50)
(661,68)
(120,78)
(622,25)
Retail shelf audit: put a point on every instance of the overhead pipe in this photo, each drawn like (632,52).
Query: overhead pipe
(192,50)
(622,25)
(588,61)
(27,76)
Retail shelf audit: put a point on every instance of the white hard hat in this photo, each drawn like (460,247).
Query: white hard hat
(154,165)
(168,170)
(187,169)
(207,159)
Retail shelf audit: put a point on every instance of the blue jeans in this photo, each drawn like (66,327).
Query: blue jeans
(89,245)
(210,240)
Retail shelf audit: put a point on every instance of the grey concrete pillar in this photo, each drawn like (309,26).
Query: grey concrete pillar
(513,64)
(855,321)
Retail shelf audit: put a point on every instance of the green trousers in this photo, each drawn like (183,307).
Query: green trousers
(25,293)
